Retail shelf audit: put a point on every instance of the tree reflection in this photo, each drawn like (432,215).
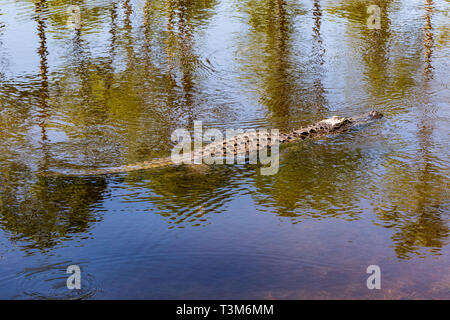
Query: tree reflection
(43,90)
(119,89)
(300,190)
(415,203)
(414,206)
(428,41)
(39,213)
(318,53)
(190,195)
(410,199)
(2,26)
(283,84)
(95,94)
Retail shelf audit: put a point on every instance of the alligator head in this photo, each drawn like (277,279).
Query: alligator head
(338,124)
(368,117)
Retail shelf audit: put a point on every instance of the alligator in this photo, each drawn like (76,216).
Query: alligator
(245,143)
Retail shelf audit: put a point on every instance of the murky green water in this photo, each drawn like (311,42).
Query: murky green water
(112,92)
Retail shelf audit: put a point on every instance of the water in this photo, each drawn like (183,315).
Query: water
(112,93)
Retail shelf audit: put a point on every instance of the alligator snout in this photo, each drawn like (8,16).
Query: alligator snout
(375,114)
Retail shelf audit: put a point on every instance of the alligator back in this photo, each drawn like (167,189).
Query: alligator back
(243,145)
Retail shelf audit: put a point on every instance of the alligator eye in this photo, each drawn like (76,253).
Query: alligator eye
(305,133)
(312,131)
